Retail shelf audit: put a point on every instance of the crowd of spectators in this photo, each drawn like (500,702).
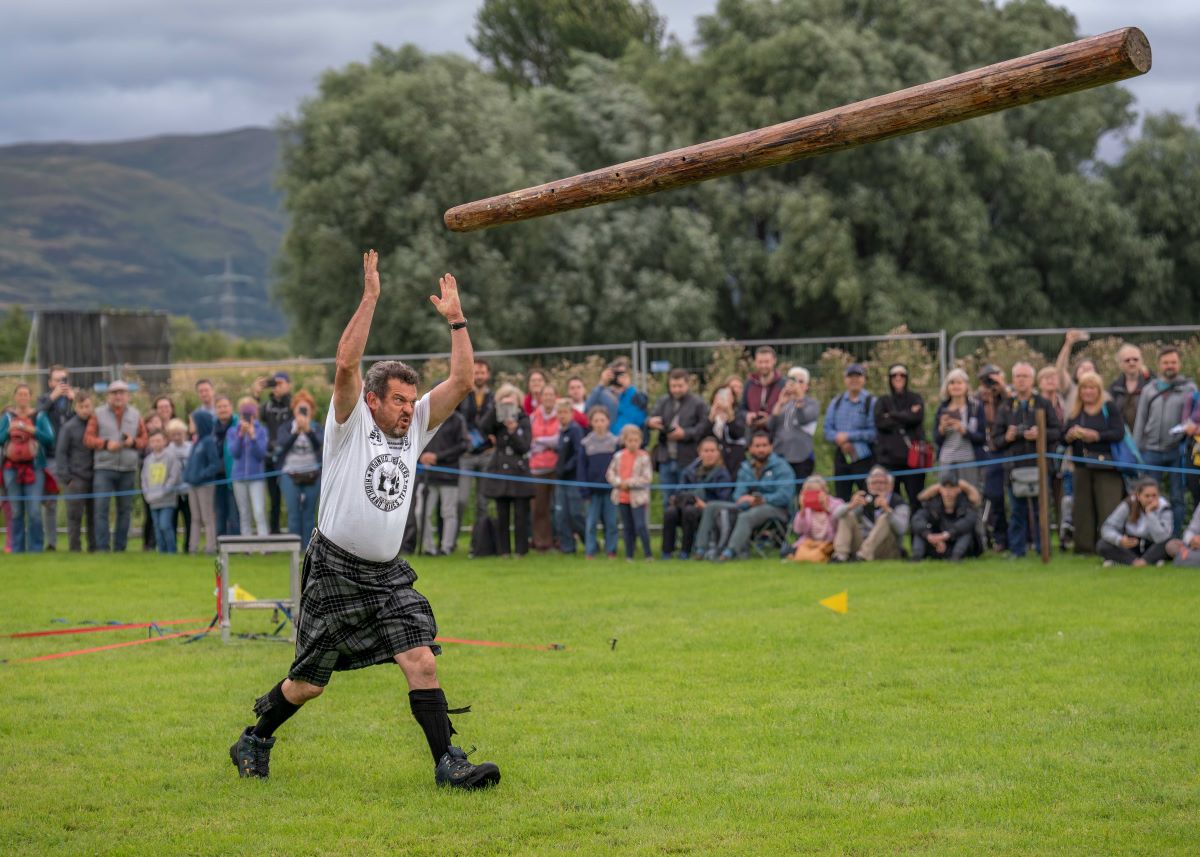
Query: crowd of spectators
(552,468)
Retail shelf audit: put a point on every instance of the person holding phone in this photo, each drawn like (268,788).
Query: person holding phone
(814,524)
(276,410)
(298,445)
(247,444)
(58,404)
(116,433)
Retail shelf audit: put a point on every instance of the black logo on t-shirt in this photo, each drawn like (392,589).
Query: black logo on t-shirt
(375,436)
(386,482)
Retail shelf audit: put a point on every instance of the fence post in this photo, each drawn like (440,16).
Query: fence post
(1044,498)
(942,357)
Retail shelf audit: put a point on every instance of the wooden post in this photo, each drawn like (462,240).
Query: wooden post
(1044,496)
(1080,65)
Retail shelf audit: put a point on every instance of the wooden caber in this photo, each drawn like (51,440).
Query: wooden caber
(1073,67)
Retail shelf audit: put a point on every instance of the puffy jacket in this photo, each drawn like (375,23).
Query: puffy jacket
(248,453)
(776,483)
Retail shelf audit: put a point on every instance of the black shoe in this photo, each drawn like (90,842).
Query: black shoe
(252,755)
(454,770)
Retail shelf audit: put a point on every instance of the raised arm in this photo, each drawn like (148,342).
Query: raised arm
(347,380)
(446,396)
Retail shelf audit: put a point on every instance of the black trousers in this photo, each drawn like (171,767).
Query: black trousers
(274,498)
(955,550)
(505,507)
(1151,553)
(844,467)
(686,518)
(910,485)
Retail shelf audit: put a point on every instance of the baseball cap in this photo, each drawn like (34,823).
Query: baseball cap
(855,369)
(988,370)
(118,386)
(798,373)
(282,376)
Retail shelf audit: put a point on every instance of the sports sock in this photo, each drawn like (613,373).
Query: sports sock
(431,711)
(273,710)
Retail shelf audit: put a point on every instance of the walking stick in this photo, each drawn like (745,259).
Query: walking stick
(1043,485)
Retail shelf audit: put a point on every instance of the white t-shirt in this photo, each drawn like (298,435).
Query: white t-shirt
(367,481)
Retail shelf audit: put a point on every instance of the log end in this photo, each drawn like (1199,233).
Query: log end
(1136,48)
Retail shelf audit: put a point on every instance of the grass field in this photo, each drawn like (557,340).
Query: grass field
(998,707)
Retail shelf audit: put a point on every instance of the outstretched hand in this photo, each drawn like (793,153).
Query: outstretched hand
(448,304)
(371,275)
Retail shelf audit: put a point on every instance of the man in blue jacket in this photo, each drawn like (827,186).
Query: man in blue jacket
(764,490)
(850,427)
(705,480)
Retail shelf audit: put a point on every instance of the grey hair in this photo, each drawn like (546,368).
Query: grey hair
(880,470)
(386,370)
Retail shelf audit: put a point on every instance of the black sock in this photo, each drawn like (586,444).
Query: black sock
(430,710)
(273,710)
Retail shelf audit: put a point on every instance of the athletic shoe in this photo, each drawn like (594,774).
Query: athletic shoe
(1108,563)
(455,771)
(252,755)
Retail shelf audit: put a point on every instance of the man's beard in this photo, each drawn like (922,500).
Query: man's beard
(397,431)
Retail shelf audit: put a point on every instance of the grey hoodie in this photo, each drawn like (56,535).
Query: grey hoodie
(1160,411)
(1154,526)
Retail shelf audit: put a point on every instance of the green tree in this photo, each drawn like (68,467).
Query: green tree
(532,42)
(14,334)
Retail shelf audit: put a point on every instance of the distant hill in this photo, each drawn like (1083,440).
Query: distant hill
(141,224)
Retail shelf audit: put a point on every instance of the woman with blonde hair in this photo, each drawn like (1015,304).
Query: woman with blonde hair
(960,428)
(814,522)
(1093,425)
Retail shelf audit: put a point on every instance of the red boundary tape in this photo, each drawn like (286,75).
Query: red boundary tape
(492,643)
(57,655)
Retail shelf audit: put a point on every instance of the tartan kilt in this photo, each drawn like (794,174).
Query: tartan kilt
(355,613)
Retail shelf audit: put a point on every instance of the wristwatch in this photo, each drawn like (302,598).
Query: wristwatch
(458,325)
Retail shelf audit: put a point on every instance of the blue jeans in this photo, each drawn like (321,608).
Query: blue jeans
(570,516)
(301,502)
(669,473)
(601,508)
(26,512)
(164,529)
(634,523)
(1018,524)
(225,505)
(108,482)
(1175,481)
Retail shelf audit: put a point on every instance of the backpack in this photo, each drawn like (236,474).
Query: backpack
(22,446)
(485,537)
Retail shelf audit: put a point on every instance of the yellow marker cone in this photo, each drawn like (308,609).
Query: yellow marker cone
(839,603)
(239,594)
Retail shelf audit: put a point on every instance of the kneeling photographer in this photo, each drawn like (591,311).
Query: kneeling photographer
(873,523)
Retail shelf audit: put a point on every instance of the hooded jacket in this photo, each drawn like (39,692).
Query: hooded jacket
(206,464)
(899,421)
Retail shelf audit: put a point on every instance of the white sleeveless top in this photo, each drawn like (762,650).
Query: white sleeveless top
(367,481)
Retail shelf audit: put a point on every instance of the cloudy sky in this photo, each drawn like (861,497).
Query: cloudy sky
(85,70)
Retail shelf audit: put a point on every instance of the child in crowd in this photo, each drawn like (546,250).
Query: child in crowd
(1137,531)
(161,476)
(630,473)
(814,523)
(179,444)
(595,456)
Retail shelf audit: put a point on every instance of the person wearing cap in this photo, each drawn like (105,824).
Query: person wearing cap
(275,412)
(793,423)
(850,427)
(944,525)
(899,425)
(116,434)
(873,523)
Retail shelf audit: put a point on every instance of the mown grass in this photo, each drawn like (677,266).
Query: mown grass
(998,707)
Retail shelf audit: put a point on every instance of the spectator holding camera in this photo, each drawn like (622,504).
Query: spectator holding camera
(681,419)
(507,422)
(1015,434)
(763,389)
(763,491)
(625,405)
(944,525)
(850,427)
(960,429)
(1093,426)
(793,423)
(727,424)
(873,523)
(900,432)
(247,444)
(276,411)
(25,434)
(298,453)
(58,404)
(117,435)
(1137,531)
(1126,389)
(814,524)
(75,464)
(1160,429)
(686,505)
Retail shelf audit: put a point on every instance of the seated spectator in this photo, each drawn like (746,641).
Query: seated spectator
(850,427)
(161,476)
(728,425)
(630,474)
(814,524)
(960,429)
(75,461)
(625,405)
(681,419)
(1093,426)
(793,423)
(508,424)
(535,381)
(570,505)
(1186,549)
(577,395)
(899,426)
(179,445)
(763,389)
(1015,434)
(1159,429)
(873,523)
(247,444)
(1137,531)
(698,489)
(25,435)
(763,492)
(299,445)
(1126,389)
(543,458)
(595,454)
(204,468)
(944,526)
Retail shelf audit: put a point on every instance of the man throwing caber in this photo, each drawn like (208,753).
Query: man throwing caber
(357,605)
